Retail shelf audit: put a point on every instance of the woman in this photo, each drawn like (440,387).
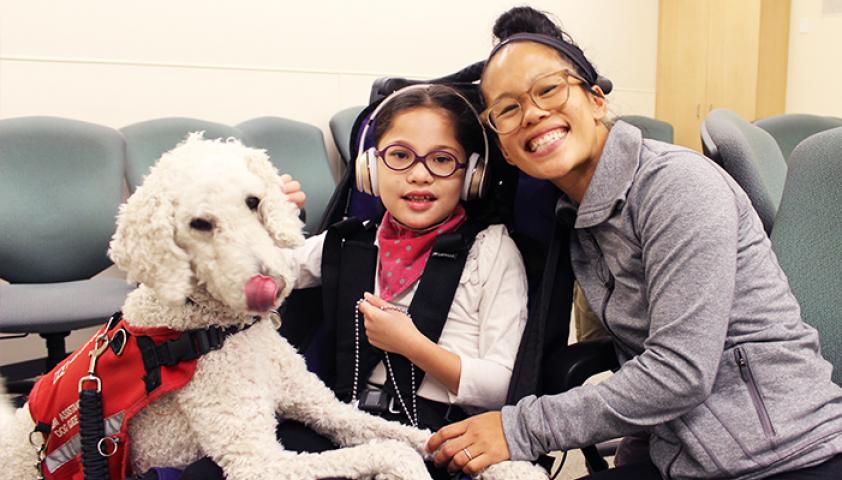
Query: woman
(717,365)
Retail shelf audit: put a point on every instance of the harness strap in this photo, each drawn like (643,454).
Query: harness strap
(432,301)
(549,315)
(190,345)
(348,270)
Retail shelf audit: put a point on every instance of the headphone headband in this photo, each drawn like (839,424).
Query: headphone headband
(365,166)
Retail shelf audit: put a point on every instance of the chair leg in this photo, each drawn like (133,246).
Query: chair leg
(594,460)
(56,351)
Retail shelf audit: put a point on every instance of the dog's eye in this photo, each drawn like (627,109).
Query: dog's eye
(252,203)
(201,224)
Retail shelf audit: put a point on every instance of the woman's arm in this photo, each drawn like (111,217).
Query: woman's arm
(687,219)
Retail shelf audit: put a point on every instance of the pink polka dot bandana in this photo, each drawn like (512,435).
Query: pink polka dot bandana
(404,251)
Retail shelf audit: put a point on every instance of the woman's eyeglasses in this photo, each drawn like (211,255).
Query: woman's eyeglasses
(439,163)
(547,92)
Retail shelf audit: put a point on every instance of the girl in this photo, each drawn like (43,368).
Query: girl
(427,138)
(717,365)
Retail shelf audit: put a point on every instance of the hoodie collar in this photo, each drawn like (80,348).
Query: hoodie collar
(611,180)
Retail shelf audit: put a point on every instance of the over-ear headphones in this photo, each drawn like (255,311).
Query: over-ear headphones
(366,163)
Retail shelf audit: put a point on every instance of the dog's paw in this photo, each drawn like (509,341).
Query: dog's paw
(401,462)
(513,471)
(418,440)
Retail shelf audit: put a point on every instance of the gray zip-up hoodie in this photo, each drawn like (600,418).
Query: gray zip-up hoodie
(716,361)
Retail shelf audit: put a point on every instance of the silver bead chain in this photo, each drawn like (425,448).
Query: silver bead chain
(413,417)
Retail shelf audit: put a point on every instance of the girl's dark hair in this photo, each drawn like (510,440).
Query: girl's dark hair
(468,129)
(529,20)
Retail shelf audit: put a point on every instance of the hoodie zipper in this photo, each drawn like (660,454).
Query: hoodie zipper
(756,399)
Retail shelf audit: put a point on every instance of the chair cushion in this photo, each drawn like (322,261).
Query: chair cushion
(60,307)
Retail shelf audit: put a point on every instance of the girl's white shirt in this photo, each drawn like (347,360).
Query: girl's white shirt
(485,322)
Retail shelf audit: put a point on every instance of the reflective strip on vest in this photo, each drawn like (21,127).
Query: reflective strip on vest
(73,447)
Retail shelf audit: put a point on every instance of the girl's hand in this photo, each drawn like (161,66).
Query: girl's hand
(471,445)
(292,189)
(389,330)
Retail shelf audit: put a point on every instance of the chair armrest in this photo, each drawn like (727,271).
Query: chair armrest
(569,367)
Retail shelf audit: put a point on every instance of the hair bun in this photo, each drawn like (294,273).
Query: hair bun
(525,20)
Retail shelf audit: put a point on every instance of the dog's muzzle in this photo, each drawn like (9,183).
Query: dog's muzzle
(262,292)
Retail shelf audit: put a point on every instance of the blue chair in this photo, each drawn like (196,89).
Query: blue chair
(652,128)
(147,141)
(807,237)
(751,156)
(298,149)
(341,125)
(791,128)
(60,186)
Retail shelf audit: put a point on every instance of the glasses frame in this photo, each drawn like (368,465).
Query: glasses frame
(567,73)
(422,159)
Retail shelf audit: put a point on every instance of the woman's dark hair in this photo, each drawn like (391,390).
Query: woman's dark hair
(468,129)
(519,20)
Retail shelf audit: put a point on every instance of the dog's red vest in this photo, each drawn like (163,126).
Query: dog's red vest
(54,401)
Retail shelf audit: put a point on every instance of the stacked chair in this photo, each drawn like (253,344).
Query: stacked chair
(651,128)
(807,237)
(60,186)
(298,149)
(791,129)
(751,156)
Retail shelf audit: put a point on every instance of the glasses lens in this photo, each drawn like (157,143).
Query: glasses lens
(398,157)
(551,91)
(505,115)
(442,164)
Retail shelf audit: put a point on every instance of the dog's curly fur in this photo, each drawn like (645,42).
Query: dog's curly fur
(228,409)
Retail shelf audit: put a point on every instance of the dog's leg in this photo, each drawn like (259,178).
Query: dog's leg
(17,457)
(305,398)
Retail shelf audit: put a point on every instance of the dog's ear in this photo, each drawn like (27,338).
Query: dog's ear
(280,216)
(144,243)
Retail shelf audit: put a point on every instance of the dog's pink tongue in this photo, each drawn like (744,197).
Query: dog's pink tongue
(261,292)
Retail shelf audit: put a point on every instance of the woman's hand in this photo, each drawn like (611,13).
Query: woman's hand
(389,330)
(292,189)
(471,445)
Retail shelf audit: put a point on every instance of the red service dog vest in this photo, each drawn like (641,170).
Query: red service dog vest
(127,387)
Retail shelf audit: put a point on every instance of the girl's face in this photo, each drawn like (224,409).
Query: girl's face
(415,197)
(562,145)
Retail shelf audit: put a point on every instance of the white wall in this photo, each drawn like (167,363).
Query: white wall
(119,62)
(815,60)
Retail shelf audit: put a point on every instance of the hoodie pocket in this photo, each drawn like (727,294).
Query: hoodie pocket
(756,399)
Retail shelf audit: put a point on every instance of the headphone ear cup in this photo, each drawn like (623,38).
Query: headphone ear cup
(474,186)
(365,170)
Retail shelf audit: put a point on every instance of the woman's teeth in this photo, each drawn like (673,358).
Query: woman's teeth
(419,198)
(540,142)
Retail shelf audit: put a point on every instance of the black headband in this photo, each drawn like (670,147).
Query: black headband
(570,51)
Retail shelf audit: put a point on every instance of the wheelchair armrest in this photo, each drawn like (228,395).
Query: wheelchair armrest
(569,367)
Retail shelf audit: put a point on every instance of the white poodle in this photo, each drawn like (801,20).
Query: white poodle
(207,236)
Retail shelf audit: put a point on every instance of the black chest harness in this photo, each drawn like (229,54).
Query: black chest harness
(349,264)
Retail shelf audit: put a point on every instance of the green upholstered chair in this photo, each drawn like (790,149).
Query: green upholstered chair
(61,182)
(750,155)
(790,129)
(298,149)
(147,141)
(651,127)
(807,237)
(341,125)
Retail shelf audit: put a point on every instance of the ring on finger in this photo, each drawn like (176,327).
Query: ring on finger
(467,453)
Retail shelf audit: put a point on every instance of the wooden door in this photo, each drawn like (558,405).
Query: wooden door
(682,67)
(733,46)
